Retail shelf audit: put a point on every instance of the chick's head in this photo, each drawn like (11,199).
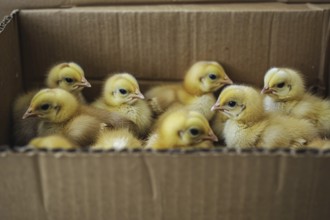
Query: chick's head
(185,128)
(54,105)
(67,76)
(205,77)
(120,89)
(240,103)
(283,84)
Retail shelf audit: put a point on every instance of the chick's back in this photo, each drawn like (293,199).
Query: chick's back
(24,130)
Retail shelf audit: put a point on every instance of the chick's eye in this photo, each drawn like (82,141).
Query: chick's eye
(212,76)
(280,85)
(68,80)
(45,107)
(194,131)
(232,103)
(123,91)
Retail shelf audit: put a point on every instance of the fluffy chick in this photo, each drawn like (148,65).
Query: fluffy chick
(61,113)
(318,143)
(249,126)
(52,142)
(286,93)
(218,124)
(202,78)
(117,139)
(68,76)
(121,94)
(181,129)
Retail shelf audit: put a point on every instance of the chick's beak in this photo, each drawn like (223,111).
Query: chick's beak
(266,90)
(216,106)
(83,83)
(226,81)
(29,113)
(138,95)
(211,136)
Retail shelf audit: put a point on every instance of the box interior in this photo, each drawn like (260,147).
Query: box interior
(157,44)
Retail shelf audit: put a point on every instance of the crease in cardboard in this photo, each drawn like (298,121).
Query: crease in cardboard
(270,39)
(281,175)
(312,191)
(314,7)
(325,54)
(151,178)
(325,51)
(42,187)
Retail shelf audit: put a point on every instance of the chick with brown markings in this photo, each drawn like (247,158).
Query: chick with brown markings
(121,94)
(285,90)
(68,76)
(61,113)
(201,80)
(249,126)
(182,129)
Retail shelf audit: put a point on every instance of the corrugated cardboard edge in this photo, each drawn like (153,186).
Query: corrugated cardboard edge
(216,150)
(10,77)
(6,20)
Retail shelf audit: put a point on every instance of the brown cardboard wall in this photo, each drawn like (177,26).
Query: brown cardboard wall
(160,42)
(10,73)
(21,188)
(165,186)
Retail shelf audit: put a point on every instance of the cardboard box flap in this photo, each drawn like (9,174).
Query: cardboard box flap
(200,185)
(21,188)
(10,72)
(160,42)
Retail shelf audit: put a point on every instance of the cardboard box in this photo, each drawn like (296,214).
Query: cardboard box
(158,43)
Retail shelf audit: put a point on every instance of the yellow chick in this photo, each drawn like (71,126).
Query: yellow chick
(318,143)
(61,113)
(249,126)
(121,94)
(181,129)
(286,93)
(201,80)
(217,124)
(68,76)
(52,142)
(117,139)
